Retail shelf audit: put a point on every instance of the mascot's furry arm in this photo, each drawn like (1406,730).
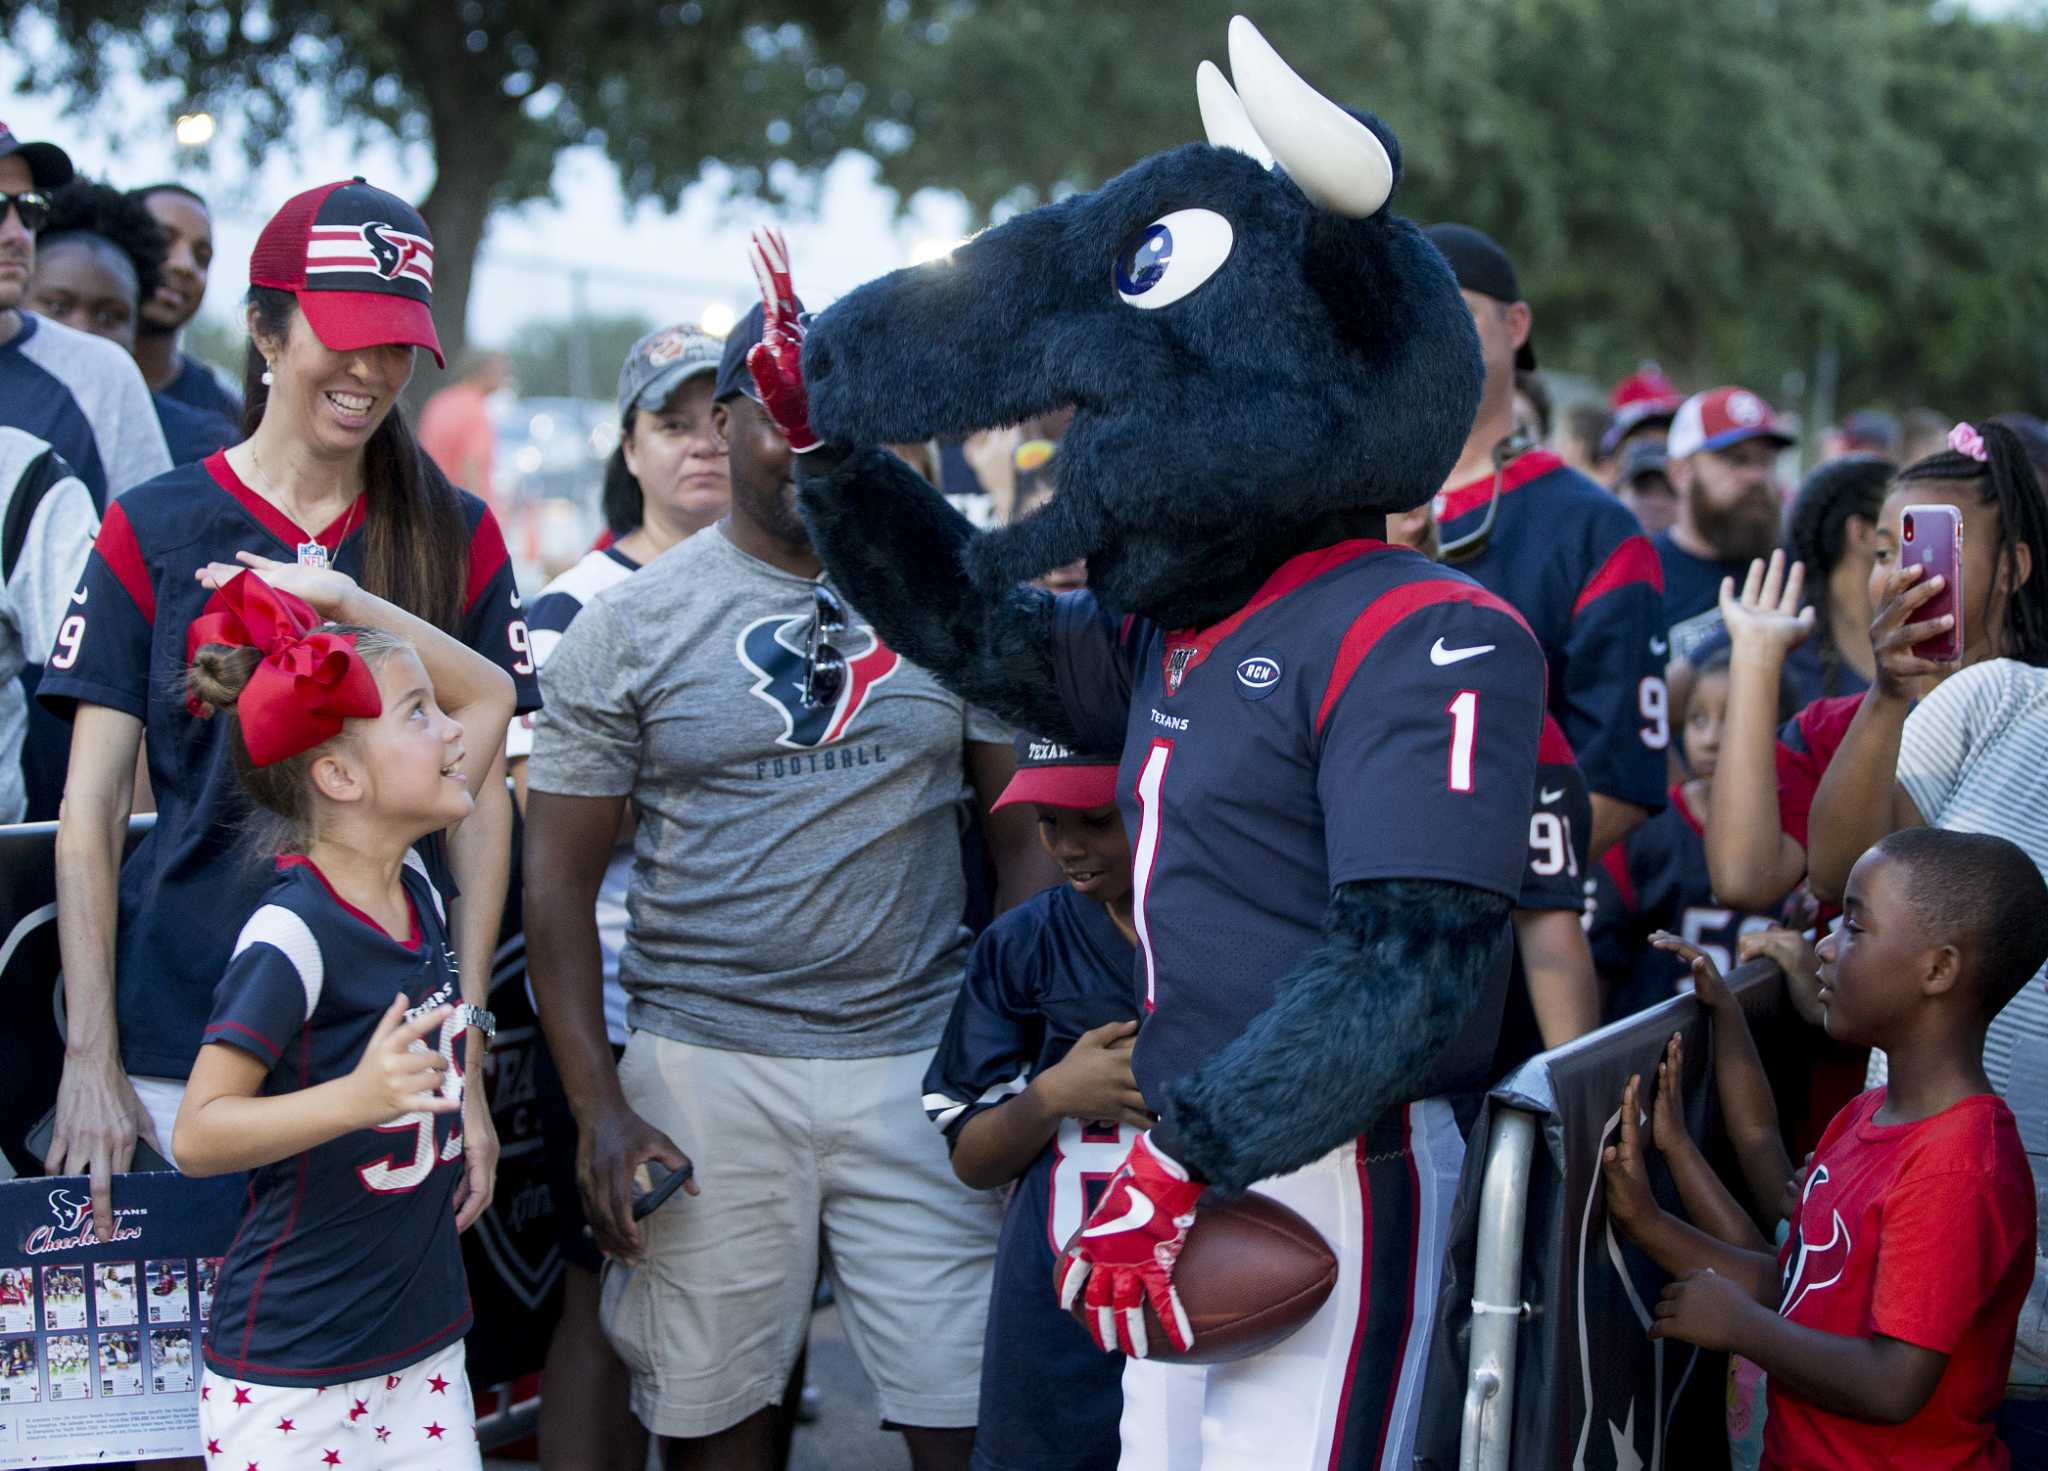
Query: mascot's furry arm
(915,588)
(1352,1032)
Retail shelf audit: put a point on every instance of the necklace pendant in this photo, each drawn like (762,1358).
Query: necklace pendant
(312,554)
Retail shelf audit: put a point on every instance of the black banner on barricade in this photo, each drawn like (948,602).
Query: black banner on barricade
(100,1344)
(31,1047)
(1592,1391)
(514,1264)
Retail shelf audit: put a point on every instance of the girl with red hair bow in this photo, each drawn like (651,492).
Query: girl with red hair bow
(329,1066)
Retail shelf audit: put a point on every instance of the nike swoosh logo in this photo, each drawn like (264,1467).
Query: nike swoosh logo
(1547,796)
(1439,655)
(1660,646)
(81,595)
(1131,1220)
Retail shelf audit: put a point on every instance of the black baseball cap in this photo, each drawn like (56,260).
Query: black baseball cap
(733,374)
(1643,458)
(1482,266)
(49,167)
(1054,775)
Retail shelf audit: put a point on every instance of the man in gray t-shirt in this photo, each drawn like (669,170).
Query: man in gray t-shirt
(793,946)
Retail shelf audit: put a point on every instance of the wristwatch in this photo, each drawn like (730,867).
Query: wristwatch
(475,1016)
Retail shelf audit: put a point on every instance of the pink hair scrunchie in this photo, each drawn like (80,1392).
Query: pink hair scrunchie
(1966,440)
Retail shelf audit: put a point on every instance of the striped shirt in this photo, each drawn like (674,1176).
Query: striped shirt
(47,525)
(1971,759)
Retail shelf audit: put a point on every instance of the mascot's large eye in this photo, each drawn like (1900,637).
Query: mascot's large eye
(1171,257)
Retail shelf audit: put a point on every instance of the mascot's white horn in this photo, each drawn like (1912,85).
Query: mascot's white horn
(1335,159)
(1223,117)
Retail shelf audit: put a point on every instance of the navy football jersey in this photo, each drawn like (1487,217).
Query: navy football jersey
(346,1264)
(1658,880)
(1367,715)
(190,883)
(1572,560)
(1555,877)
(1042,974)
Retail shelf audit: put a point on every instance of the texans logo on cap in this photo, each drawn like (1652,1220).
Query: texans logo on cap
(376,246)
(1745,408)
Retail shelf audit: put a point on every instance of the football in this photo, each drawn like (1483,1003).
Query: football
(1251,1273)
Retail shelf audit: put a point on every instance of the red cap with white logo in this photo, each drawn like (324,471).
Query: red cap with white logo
(1721,417)
(360,262)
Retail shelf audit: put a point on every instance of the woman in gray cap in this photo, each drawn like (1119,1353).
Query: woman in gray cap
(665,481)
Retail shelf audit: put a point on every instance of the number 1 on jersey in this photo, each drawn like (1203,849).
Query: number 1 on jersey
(1464,713)
(1149,781)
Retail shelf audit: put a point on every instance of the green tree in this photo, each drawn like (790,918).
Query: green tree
(495,88)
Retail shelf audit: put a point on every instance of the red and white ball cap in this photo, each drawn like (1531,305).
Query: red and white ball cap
(360,262)
(1721,417)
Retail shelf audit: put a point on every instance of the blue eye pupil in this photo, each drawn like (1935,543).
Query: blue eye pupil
(1142,263)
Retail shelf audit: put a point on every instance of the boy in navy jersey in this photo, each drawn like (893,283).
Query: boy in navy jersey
(336,1332)
(1887,1319)
(1658,879)
(1032,1083)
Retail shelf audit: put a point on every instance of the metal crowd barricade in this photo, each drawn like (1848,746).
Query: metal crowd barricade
(1542,1356)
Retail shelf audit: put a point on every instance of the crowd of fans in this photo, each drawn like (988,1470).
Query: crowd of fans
(753,932)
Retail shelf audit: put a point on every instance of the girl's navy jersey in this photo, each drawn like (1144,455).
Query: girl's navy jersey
(1657,880)
(1572,560)
(1042,974)
(1556,877)
(1367,715)
(346,1265)
(190,883)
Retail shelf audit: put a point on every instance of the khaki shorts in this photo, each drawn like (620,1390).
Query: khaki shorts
(794,1154)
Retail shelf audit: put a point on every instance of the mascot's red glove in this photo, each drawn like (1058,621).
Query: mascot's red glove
(777,360)
(1126,1251)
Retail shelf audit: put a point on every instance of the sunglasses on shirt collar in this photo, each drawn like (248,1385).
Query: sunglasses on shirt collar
(824,665)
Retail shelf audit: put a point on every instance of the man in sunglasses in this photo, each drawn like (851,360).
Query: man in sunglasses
(81,395)
(1564,554)
(793,948)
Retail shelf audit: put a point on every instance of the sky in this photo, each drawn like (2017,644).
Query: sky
(537,260)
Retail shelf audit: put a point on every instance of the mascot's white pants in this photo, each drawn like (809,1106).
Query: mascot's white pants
(1343,1393)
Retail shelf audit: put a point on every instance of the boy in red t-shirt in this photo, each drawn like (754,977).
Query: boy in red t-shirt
(1898,1291)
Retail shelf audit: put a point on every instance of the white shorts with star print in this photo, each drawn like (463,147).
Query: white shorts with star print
(418,1419)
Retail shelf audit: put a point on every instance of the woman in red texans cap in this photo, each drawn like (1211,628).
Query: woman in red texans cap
(328,475)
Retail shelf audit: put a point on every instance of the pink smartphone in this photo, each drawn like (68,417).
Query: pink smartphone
(1931,538)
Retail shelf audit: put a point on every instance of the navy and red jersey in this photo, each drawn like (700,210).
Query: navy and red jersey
(1367,715)
(1572,560)
(1555,877)
(190,882)
(346,1264)
(1657,880)
(1040,975)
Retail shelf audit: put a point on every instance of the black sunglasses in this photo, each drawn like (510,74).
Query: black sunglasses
(32,205)
(824,665)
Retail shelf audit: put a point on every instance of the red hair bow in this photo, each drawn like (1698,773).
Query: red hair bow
(308,682)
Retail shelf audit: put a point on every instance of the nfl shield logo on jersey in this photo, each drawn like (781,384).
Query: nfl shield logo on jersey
(1177,661)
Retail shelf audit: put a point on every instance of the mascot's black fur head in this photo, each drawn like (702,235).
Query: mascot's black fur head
(1253,353)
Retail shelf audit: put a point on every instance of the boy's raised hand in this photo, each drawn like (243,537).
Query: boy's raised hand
(399,1072)
(1705,1308)
(1629,1201)
(1667,1114)
(1765,617)
(1706,976)
(1094,1080)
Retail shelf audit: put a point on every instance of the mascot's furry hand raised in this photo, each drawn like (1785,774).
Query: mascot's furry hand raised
(777,360)
(1126,1251)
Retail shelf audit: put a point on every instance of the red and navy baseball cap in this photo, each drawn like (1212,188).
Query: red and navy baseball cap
(360,262)
(1645,397)
(49,167)
(1052,775)
(1721,417)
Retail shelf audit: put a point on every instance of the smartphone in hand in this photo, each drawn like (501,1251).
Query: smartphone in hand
(1931,538)
(665,1182)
